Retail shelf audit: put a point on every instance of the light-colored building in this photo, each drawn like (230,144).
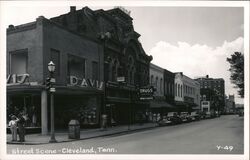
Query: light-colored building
(211,87)
(157,79)
(159,105)
(187,91)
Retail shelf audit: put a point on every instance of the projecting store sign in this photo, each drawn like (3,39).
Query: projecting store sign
(82,82)
(146,93)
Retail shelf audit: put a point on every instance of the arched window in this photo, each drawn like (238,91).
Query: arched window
(114,70)
(181,90)
(175,89)
(131,70)
(113,73)
(161,86)
(156,84)
(152,80)
(178,90)
(131,76)
(169,89)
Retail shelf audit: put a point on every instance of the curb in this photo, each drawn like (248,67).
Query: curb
(91,137)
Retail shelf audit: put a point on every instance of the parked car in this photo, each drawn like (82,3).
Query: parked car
(174,118)
(165,121)
(195,116)
(208,115)
(185,117)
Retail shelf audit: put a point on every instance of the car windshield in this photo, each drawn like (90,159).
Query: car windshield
(171,113)
(193,113)
(184,113)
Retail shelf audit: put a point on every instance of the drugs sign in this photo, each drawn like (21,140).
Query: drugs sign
(146,93)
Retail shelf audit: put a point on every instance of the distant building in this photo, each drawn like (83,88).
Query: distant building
(187,92)
(169,78)
(229,105)
(213,89)
(157,79)
(159,104)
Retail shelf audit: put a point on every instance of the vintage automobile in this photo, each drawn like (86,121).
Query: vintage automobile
(174,117)
(195,116)
(185,117)
(208,115)
(164,121)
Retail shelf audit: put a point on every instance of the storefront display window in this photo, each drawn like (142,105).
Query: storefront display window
(27,105)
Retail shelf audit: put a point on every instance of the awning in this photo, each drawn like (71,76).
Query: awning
(160,104)
(180,103)
(72,90)
(23,89)
(118,100)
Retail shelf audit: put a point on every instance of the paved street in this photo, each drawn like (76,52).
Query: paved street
(222,135)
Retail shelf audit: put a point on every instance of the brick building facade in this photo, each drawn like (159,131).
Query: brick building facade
(91,49)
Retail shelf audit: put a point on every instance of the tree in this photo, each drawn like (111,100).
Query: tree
(237,71)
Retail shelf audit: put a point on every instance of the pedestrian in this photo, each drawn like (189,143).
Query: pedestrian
(13,127)
(150,117)
(21,128)
(158,117)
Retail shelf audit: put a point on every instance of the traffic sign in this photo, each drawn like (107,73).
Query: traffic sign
(53,80)
(120,79)
(52,90)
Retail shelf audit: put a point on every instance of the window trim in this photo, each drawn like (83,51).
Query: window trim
(85,61)
(16,52)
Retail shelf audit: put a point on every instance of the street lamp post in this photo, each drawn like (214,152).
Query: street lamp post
(104,38)
(51,68)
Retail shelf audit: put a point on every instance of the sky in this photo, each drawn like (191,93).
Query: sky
(192,40)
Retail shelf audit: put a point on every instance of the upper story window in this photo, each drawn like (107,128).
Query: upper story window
(95,75)
(161,86)
(114,70)
(19,62)
(181,90)
(178,90)
(55,57)
(175,89)
(156,84)
(152,80)
(76,66)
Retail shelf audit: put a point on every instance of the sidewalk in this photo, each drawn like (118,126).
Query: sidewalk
(34,139)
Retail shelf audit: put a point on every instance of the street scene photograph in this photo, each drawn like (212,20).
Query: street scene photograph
(114,80)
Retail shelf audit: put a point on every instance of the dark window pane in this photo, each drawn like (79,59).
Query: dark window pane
(19,62)
(95,71)
(76,66)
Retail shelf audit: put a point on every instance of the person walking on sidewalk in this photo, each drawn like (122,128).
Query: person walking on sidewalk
(13,127)
(21,128)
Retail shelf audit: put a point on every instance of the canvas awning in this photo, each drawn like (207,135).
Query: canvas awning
(160,104)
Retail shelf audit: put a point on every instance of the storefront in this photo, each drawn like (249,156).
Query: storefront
(82,104)
(81,101)
(23,99)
